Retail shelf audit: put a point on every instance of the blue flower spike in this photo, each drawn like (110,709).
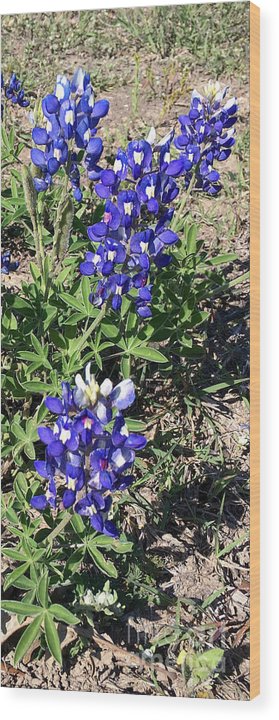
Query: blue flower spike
(94,460)
(71,116)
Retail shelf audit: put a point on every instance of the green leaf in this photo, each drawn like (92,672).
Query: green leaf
(122,546)
(14,554)
(202,665)
(232,545)
(221,259)
(63,615)
(58,339)
(148,353)
(77,524)
(125,367)
(21,608)
(43,590)
(35,271)
(15,574)
(72,301)
(196,351)
(33,357)
(198,317)
(37,345)
(223,385)
(52,638)
(85,291)
(210,599)
(25,583)
(135,425)
(12,516)
(106,566)
(18,431)
(30,634)
(192,240)
(35,386)
(30,450)
(20,487)
(74,561)
(110,331)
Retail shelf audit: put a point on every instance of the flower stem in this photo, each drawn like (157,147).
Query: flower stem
(183,204)
(59,527)
(89,330)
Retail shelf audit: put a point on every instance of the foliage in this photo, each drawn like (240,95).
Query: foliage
(127,311)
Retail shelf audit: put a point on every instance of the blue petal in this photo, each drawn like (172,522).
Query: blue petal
(100,108)
(168,237)
(45,435)
(53,165)
(110,529)
(39,502)
(41,468)
(38,158)
(40,184)
(95,148)
(135,441)
(175,168)
(108,177)
(87,268)
(96,521)
(102,191)
(123,395)
(68,499)
(51,104)
(56,448)
(39,136)
(54,405)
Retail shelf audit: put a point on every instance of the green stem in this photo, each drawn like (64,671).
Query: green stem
(59,527)
(59,208)
(183,204)
(37,241)
(89,331)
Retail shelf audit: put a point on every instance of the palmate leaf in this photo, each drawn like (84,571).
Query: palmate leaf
(30,634)
(52,638)
(201,665)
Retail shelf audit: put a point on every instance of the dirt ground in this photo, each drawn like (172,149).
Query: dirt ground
(209,509)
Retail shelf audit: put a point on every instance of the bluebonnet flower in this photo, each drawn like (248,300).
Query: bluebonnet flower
(129,206)
(143,301)
(90,460)
(7,265)
(71,116)
(13,91)
(40,502)
(126,251)
(110,179)
(104,397)
(95,506)
(134,233)
(155,188)
(207,135)
(139,154)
